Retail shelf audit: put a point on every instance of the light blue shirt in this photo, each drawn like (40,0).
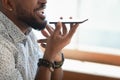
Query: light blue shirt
(19,53)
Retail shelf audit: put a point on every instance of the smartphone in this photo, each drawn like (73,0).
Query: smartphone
(70,21)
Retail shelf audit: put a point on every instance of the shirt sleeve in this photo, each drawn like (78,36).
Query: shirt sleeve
(7,65)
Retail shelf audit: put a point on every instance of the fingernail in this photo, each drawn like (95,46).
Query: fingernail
(70,17)
(61,18)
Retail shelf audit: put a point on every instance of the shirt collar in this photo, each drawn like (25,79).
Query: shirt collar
(15,33)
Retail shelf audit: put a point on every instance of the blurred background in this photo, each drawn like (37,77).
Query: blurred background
(98,38)
(101,30)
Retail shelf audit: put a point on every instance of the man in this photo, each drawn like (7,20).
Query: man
(19,51)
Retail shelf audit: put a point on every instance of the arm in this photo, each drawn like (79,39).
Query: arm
(57,74)
(54,43)
(47,74)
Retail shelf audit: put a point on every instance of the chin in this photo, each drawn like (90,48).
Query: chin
(38,26)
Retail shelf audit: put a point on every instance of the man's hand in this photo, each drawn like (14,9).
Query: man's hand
(57,39)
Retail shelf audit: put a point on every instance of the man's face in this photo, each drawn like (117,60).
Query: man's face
(31,12)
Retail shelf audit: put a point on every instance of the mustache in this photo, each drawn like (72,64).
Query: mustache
(42,6)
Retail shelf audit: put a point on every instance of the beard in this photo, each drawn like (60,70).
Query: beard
(30,19)
(31,22)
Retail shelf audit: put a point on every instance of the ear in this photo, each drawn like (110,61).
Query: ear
(7,4)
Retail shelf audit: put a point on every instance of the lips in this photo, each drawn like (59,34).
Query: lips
(41,14)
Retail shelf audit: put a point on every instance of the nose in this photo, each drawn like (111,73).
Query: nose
(42,1)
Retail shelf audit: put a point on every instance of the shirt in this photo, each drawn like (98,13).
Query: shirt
(19,53)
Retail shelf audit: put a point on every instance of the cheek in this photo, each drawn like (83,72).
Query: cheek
(23,10)
(27,5)
(26,10)
(30,5)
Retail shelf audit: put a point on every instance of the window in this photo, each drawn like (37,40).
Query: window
(101,30)
(100,34)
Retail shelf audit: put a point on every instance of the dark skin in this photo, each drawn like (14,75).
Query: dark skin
(31,12)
